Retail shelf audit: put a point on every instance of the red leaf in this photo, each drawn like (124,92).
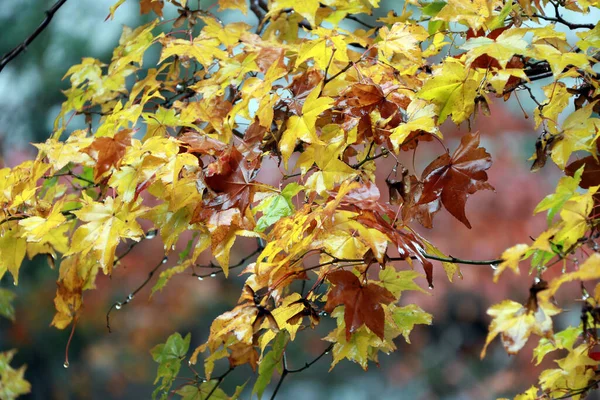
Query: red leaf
(363,303)
(452,179)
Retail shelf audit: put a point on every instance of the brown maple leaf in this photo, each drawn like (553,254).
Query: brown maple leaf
(108,151)
(230,177)
(152,5)
(452,179)
(363,303)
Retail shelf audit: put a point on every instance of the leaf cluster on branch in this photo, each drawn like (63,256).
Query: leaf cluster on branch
(305,91)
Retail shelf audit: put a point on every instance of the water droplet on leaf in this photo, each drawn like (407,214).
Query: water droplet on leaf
(494,266)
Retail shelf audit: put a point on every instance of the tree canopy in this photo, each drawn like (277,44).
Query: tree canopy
(201,133)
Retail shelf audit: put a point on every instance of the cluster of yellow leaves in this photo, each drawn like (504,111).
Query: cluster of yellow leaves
(182,147)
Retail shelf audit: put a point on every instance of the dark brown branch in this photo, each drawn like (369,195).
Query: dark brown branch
(287,371)
(558,18)
(118,305)
(219,381)
(219,270)
(353,18)
(309,364)
(8,57)
(346,68)
(383,153)
(460,260)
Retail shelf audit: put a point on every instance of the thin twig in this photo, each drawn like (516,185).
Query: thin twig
(353,18)
(8,57)
(460,260)
(308,365)
(119,304)
(219,380)
(383,153)
(240,263)
(287,371)
(558,18)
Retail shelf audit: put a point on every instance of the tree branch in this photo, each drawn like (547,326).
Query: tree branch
(219,381)
(460,260)
(240,263)
(118,305)
(287,371)
(8,57)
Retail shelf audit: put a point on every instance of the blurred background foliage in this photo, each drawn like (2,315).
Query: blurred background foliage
(442,362)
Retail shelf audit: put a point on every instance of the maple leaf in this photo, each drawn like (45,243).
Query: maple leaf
(590,176)
(241,5)
(68,298)
(152,5)
(397,282)
(578,132)
(574,216)
(107,223)
(230,178)
(13,383)
(12,251)
(402,44)
(516,323)
(453,179)
(306,8)
(565,190)
(108,151)
(501,48)
(362,303)
(303,127)
(453,89)
(510,259)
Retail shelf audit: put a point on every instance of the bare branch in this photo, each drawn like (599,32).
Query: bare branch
(8,57)
(119,304)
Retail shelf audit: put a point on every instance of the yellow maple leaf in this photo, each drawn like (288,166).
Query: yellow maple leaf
(578,132)
(12,250)
(306,8)
(204,50)
(303,127)
(36,227)
(511,258)
(576,371)
(453,89)
(475,13)
(589,270)
(515,324)
(60,153)
(68,299)
(107,223)
(574,215)
(421,117)
(503,48)
(327,47)
(241,5)
(401,44)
